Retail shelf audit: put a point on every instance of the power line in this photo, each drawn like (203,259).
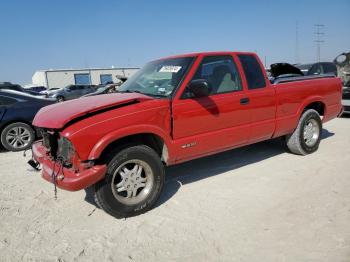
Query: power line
(319,39)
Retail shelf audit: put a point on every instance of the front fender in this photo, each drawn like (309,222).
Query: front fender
(129,131)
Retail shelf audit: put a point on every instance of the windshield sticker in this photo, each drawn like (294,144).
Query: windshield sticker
(170,69)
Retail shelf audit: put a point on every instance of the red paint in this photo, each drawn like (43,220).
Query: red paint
(71,180)
(210,124)
(57,115)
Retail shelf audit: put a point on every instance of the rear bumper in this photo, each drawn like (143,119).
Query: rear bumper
(67,178)
(346,105)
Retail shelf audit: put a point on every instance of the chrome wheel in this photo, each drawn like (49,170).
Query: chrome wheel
(132,182)
(311,132)
(18,137)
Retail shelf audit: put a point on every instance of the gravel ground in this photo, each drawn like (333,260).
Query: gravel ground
(257,203)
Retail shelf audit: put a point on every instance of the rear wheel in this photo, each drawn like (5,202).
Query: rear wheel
(307,136)
(17,136)
(133,182)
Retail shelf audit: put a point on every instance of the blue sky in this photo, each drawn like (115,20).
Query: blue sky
(73,34)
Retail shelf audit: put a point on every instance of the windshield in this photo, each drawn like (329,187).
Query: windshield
(158,78)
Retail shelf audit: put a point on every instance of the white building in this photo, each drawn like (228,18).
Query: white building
(95,76)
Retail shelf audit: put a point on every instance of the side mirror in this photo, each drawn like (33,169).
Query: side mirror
(199,87)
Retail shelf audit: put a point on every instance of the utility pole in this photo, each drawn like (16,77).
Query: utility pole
(319,39)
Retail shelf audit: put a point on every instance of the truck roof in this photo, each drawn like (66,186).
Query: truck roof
(212,53)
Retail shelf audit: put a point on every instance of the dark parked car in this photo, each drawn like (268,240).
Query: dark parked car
(71,92)
(17,110)
(9,85)
(16,87)
(318,68)
(37,89)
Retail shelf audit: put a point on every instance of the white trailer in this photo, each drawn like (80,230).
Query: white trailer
(62,77)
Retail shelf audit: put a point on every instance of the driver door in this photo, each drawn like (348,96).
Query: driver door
(203,125)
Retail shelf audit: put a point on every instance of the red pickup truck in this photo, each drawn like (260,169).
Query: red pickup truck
(173,110)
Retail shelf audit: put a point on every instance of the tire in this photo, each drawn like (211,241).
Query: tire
(152,174)
(60,99)
(306,140)
(17,136)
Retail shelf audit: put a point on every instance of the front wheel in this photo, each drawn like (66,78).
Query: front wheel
(133,183)
(307,136)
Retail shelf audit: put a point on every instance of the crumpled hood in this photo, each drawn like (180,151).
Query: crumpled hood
(56,116)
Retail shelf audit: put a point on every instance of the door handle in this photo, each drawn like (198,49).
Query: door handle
(244,101)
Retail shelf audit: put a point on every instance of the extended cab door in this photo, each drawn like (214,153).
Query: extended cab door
(203,125)
(261,98)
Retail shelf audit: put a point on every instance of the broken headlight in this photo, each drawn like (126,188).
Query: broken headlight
(65,151)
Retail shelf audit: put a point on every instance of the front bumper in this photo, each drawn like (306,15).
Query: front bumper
(67,178)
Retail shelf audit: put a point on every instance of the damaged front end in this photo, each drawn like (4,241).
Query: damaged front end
(61,164)
(342,62)
(59,148)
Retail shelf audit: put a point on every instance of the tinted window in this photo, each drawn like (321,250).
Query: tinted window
(5,101)
(329,68)
(72,88)
(315,70)
(252,71)
(220,72)
(106,79)
(82,79)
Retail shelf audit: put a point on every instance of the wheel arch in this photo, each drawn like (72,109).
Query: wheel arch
(315,103)
(154,139)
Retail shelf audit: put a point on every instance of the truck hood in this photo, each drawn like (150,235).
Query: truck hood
(58,115)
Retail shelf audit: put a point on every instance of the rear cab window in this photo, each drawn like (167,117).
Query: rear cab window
(252,70)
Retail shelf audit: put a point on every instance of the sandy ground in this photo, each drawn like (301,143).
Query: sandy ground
(257,203)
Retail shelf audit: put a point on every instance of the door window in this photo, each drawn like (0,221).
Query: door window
(315,70)
(220,72)
(252,71)
(329,68)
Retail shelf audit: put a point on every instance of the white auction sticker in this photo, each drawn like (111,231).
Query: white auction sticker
(170,69)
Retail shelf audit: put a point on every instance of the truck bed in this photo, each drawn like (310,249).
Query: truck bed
(300,78)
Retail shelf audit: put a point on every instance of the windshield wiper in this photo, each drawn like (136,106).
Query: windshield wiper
(139,92)
(130,91)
